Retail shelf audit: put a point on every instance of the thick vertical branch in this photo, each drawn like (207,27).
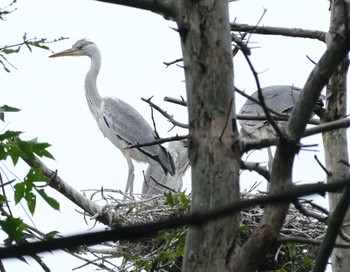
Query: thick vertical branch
(213,151)
(335,142)
(255,248)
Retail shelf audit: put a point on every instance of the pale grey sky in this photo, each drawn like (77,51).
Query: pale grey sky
(134,45)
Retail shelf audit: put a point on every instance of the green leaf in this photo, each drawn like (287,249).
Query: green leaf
(14,228)
(3,199)
(184,200)
(36,174)
(10,51)
(49,200)
(39,44)
(244,229)
(6,108)
(307,262)
(51,234)
(31,201)
(40,149)
(169,199)
(19,192)
(9,134)
(39,260)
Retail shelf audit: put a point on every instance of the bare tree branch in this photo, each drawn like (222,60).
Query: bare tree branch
(69,192)
(335,222)
(335,53)
(150,229)
(164,113)
(301,240)
(181,101)
(270,224)
(160,141)
(309,213)
(167,8)
(254,166)
(288,32)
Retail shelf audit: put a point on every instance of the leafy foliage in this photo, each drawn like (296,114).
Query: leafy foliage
(6,108)
(7,10)
(29,43)
(167,248)
(13,147)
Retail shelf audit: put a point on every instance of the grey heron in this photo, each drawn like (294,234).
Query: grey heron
(178,151)
(279,98)
(118,121)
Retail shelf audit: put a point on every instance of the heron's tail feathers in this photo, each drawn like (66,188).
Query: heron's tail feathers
(166,161)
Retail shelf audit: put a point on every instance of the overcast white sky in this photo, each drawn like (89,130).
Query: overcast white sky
(134,45)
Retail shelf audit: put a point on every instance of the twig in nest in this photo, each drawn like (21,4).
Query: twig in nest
(162,185)
(308,212)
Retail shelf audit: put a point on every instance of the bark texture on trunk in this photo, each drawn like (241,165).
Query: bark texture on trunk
(213,150)
(335,142)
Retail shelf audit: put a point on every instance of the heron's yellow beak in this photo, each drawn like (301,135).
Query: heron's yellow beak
(68,52)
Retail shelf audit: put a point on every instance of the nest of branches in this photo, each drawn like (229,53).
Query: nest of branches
(295,249)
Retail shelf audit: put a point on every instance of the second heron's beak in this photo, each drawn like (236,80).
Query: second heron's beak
(68,52)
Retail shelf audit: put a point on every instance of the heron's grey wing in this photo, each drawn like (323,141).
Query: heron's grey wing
(128,124)
(279,98)
(154,172)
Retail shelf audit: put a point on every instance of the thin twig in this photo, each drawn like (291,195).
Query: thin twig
(181,101)
(328,173)
(301,240)
(287,32)
(164,113)
(159,141)
(309,213)
(227,119)
(167,64)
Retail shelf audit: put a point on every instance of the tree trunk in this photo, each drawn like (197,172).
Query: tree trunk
(213,150)
(335,142)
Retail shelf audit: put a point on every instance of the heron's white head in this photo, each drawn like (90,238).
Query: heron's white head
(82,47)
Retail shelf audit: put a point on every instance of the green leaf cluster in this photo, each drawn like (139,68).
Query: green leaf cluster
(25,190)
(13,147)
(168,246)
(297,260)
(180,201)
(4,109)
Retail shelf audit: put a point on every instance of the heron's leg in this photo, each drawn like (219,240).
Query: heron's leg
(269,165)
(130,181)
(131,176)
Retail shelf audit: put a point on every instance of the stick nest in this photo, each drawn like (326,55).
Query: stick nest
(164,252)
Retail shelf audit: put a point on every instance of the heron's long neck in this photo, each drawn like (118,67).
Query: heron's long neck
(93,97)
